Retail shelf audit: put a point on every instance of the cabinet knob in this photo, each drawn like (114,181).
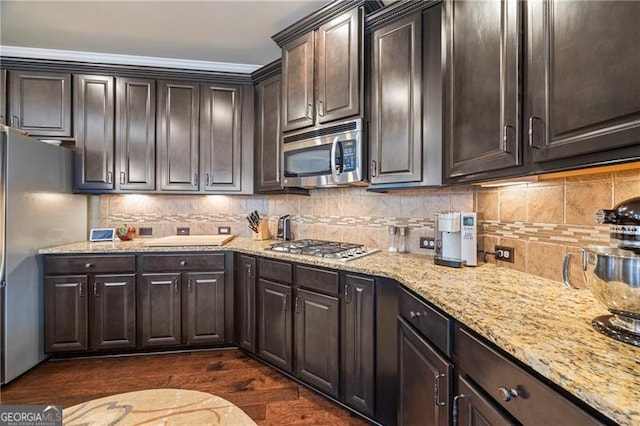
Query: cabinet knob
(183,263)
(414,315)
(88,265)
(507,393)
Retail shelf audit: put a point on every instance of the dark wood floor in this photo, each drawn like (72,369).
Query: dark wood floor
(264,394)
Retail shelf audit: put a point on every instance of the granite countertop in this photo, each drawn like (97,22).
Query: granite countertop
(538,321)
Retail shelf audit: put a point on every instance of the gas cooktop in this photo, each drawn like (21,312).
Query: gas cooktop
(325,249)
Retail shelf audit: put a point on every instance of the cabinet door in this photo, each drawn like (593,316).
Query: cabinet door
(481,119)
(317,334)
(3,97)
(274,323)
(220,137)
(40,103)
(358,343)
(205,311)
(339,75)
(136,133)
(424,379)
(159,309)
(396,102)
(94,119)
(177,135)
(65,313)
(297,83)
(267,135)
(472,408)
(247,303)
(584,91)
(114,312)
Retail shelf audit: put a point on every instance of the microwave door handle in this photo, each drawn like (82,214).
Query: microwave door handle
(335,172)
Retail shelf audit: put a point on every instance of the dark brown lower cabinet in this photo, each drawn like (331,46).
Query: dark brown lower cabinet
(85,312)
(317,334)
(66,313)
(246,303)
(159,317)
(470,407)
(114,312)
(274,324)
(358,343)
(424,380)
(205,312)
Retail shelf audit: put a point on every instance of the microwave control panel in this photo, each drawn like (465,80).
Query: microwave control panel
(349,156)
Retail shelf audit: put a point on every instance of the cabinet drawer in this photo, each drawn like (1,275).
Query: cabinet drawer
(88,264)
(432,324)
(182,262)
(276,271)
(535,403)
(317,279)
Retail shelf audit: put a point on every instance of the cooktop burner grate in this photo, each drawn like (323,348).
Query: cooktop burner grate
(324,249)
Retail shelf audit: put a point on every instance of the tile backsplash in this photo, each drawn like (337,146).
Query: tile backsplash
(543,221)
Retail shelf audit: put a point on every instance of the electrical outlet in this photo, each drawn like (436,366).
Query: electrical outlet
(145,231)
(428,243)
(183,231)
(506,254)
(224,230)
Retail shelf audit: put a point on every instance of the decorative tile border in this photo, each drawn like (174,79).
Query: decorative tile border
(529,231)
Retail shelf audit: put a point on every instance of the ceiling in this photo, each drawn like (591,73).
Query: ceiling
(231,31)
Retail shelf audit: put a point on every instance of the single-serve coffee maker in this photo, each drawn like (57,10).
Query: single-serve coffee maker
(456,235)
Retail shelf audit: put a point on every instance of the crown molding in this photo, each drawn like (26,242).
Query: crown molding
(108,58)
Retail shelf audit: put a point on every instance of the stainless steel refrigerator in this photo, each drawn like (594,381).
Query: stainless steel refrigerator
(37,209)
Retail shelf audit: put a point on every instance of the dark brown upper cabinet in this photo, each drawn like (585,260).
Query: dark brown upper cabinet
(321,73)
(40,103)
(339,76)
(177,135)
(542,96)
(267,135)
(482,86)
(583,93)
(135,133)
(396,102)
(405,106)
(220,137)
(297,83)
(94,131)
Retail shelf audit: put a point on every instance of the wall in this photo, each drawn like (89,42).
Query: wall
(543,221)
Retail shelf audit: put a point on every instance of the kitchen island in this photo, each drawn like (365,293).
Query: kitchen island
(537,321)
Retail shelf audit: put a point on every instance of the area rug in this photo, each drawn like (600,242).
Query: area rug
(157,407)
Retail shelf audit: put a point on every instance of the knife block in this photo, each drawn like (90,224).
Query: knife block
(263,231)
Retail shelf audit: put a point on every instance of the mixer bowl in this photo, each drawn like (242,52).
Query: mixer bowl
(613,276)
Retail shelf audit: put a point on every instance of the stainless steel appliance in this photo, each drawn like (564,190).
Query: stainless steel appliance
(325,156)
(284,228)
(326,249)
(456,235)
(613,273)
(37,209)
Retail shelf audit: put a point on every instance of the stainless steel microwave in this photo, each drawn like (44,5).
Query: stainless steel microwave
(325,156)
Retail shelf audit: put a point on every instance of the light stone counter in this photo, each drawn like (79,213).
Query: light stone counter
(538,321)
